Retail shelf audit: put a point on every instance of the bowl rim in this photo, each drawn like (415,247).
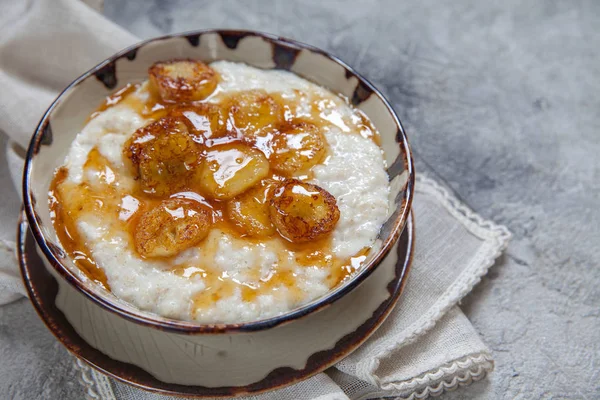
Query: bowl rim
(187,327)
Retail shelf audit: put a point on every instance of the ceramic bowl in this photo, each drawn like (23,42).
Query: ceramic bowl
(130,335)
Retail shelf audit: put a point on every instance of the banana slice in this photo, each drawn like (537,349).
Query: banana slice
(182,80)
(254,111)
(297,147)
(303,212)
(204,119)
(175,225)
(250,210)
(231,169)
(163,155)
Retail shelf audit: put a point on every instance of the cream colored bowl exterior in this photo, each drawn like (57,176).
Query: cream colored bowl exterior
(219,360)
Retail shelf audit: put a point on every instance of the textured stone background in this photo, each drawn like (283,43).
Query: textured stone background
(501,102)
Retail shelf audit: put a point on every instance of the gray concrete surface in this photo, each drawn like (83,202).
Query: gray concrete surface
(501,101)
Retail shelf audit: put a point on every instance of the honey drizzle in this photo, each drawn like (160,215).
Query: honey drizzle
(316,254)
(68,235)
(114,99)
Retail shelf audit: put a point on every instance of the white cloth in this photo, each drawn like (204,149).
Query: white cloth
(425,347)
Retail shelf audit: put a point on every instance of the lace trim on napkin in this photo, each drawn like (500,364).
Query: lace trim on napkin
(497,237)
(447,378)
(90,379)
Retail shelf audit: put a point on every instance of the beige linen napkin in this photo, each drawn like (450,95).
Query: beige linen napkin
(425,347)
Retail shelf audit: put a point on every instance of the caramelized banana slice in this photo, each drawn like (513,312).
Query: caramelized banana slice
(205,120)
(173,226)
(163,155)
(254,111)
(231,169)
(250,210)
(182,80)
(302,212)
(297,147)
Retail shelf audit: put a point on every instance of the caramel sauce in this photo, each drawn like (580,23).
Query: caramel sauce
(367,130)
(64,221)
(114,99)
(68,202)
(215,290)
(221,285)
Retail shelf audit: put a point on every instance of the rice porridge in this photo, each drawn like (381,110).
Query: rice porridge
(220,193)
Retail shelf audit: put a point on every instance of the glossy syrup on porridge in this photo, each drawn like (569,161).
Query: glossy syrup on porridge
(220,193)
